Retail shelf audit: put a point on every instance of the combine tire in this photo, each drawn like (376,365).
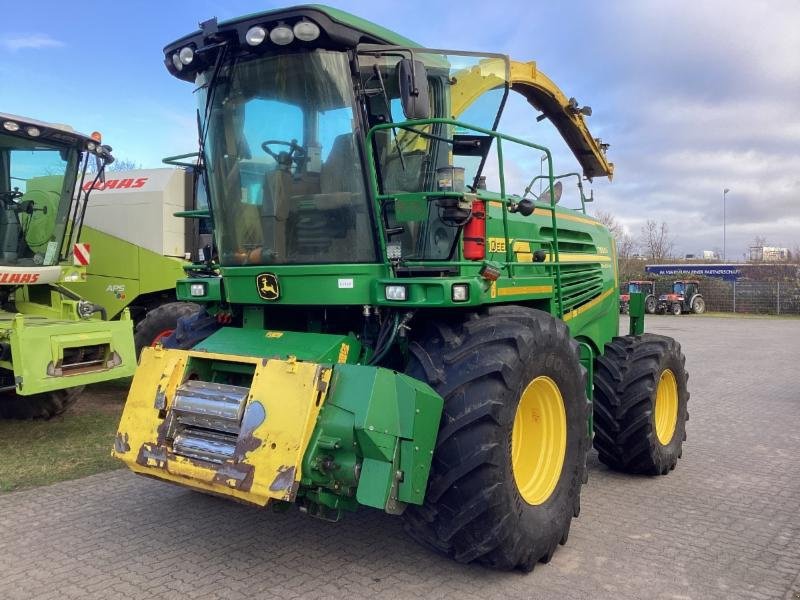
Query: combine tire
(676,309)
(650,305)
(160,323)
(510,456)
(38,406)
(698,305)
(640,399)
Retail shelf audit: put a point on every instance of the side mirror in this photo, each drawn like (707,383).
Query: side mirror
(413,82)
(558,188)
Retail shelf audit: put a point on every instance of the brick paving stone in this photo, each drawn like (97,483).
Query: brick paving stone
(724,524)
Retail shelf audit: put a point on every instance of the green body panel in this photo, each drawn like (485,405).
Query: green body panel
(381,420)
(38,346)
(312,347)
(119,272)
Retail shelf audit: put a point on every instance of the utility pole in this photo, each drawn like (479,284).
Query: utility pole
(724,194)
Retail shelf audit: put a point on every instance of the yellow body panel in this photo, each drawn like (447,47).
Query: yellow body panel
(269,464)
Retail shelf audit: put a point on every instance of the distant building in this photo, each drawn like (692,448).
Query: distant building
(768,254)
(710,255)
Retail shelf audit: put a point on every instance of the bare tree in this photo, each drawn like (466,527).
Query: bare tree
(626,245)
(120,164)
(656,241)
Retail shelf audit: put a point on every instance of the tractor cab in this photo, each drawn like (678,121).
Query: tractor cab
(39,214)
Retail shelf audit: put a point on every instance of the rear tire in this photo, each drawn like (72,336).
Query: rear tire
(484,366)
(698,305)
(639,418)
(38,406)
(650,305)
(161,322)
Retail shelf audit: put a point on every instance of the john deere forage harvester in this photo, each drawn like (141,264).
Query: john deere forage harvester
(52,342)
(397,335)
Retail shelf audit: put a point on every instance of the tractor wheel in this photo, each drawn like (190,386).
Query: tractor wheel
(698,305)
(38,406)
(640,399)
(160,323)
(676,309)
(650,305)
(510,456)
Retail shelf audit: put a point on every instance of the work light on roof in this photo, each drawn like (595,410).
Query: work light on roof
(281,35)
(186,55)
(33,131)
(306,31)
(176,62)
(90,146)
(11,126)
(255,35)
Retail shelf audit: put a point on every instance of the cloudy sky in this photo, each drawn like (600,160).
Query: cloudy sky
(692,96)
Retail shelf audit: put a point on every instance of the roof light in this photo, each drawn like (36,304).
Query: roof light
(281,35)
(11,126)
(255,35)
(186,55)
(33,131)
(96,136)
(306,31)
(90,146)
(176,62)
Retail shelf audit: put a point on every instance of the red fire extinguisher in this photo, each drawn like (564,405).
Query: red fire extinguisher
(475,232)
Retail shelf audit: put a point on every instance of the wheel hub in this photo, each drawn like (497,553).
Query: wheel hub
(666,409)
(539,440)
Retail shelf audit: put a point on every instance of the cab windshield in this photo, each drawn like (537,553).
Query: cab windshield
(35,197)
(285,178)
(634,288)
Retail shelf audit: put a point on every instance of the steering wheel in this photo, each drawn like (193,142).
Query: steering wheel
(295,154)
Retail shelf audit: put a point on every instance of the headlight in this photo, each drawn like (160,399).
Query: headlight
(186,55)
(396,292)
(460,292)
(255,35)
(281,35)
(306,31)
(197,289)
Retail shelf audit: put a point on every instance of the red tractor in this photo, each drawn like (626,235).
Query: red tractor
(685,297)
(632,287)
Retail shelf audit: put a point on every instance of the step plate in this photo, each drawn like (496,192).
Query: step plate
(280,412)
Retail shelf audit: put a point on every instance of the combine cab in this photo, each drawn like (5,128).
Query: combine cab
(685,297)
(52,342)
(397,324)
(647,288)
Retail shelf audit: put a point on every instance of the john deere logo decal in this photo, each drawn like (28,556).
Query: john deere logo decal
(267,285)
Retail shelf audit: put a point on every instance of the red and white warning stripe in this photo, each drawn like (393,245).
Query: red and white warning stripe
(80,255)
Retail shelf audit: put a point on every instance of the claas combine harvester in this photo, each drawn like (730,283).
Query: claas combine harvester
(52,341)
(384,326)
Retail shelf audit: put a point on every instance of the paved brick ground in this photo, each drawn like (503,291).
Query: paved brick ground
(725,524)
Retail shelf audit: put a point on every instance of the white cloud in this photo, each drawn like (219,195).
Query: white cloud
(32,40)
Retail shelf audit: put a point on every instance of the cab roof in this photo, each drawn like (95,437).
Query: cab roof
(48,132)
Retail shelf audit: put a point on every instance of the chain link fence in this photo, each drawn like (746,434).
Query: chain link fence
(746,297)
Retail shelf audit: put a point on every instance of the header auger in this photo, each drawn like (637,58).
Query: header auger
(402,329)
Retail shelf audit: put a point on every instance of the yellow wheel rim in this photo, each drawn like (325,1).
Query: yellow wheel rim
(539,440)
(666,407)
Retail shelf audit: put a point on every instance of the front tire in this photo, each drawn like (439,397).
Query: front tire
(161,323)
(650,305)
(640,404)
(515,402)
(38,406)
(676,309)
